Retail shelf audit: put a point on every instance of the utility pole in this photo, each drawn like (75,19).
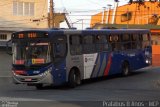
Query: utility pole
(51,15)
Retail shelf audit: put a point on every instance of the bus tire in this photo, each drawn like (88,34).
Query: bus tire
(125,69)
(74,78)
(39,86)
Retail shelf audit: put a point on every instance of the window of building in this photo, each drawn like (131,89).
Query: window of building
(23,8)
(15,6)
(26,9)
(153,19)
(31,9)
(20,8)
(3,36)
(126,16)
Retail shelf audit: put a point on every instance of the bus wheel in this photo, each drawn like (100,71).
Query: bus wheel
(125,69)
(74,78)
(39,86)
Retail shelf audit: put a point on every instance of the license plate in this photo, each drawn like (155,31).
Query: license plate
(28,79)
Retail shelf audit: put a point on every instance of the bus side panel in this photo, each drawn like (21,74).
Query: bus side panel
(135,60)
(139,61)
(117,59)
(74,61)
(101,64)
(90,61)
(59,73)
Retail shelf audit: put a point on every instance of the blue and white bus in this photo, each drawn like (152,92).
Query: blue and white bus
(55,57)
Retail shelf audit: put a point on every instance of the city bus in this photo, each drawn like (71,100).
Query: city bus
(58,56)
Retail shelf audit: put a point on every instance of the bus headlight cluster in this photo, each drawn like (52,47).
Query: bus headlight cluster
(148,61)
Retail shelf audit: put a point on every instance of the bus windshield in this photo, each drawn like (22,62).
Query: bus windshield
(31,53)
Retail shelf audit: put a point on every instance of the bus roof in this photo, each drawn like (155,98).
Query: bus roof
(86,32)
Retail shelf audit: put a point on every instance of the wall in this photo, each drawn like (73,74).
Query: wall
(7,18)
(147,13)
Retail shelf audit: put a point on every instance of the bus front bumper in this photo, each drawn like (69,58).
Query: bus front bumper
(44,78)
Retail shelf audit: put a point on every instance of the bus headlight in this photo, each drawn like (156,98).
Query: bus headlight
(148,61)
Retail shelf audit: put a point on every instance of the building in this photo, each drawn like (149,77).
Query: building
(21,14)
(138,14)
(18,15)
(133,15)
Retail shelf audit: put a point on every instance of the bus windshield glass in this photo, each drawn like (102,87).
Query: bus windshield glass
(31,53)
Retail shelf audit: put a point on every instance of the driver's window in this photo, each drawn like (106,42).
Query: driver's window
(39,52)
(59,49)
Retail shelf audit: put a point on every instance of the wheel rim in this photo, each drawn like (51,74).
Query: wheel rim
(74,78)
(77,79)
(126,69)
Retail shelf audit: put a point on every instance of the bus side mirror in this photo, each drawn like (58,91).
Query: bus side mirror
(9,47)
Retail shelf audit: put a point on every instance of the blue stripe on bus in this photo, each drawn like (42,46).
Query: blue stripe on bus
(101,62)
(103,65)
(95,67)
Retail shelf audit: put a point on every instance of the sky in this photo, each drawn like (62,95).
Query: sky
(80,11)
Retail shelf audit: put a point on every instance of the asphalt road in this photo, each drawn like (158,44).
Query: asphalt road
(5,64)
(143,85)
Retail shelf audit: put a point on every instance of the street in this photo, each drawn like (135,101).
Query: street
(143,85)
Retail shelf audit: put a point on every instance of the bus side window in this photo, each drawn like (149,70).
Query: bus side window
(101,43)
(126,42)
(88,44)
(114,40)
(145,40)
(60,49)
(75,44)
(136,43)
